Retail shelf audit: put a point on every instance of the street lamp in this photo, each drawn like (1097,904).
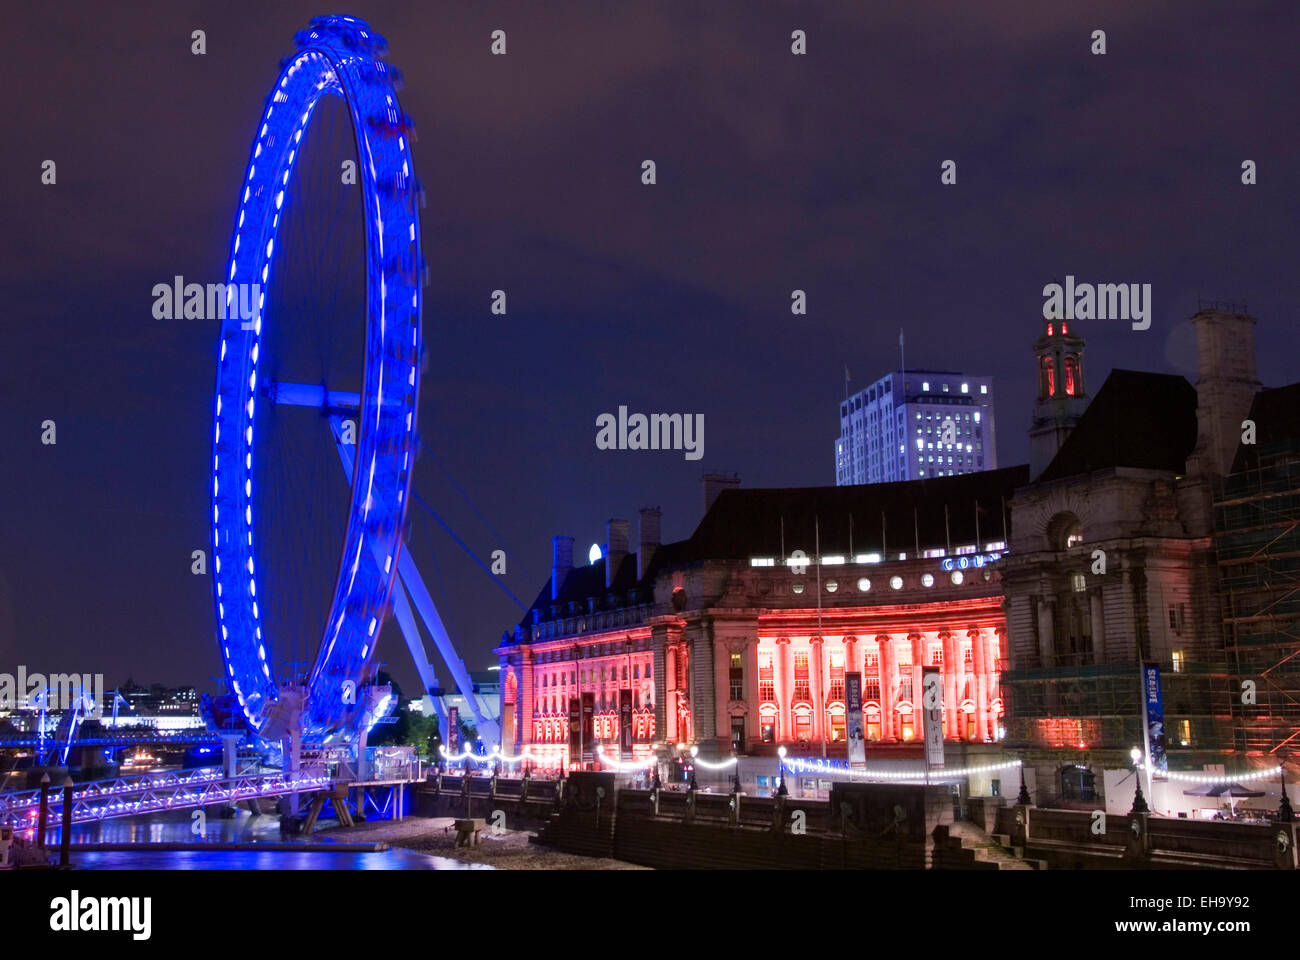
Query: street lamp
(1284,812)
(1022,798)
(1139,801)
(694,753)
(781,791)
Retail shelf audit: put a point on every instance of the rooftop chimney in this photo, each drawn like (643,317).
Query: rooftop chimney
(561,563)
(715,483)
(1225,347)
(615,548)
(650,521)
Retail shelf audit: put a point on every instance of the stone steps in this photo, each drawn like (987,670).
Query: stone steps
(995,848)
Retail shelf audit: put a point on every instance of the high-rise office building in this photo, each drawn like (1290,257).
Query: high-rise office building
(914,424)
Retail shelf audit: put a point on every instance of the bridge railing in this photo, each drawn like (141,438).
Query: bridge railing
(19,800)
(125,797)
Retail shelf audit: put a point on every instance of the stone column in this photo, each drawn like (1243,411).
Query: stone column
(818,686)
(784,691)
(669,709)
(999,655)
(888,691)
(659,674)
(951,663)
(1097,615)
(979,658)
(851,656)
(722,692)
(519,736)
(524,703)
(749,658)
(918,660)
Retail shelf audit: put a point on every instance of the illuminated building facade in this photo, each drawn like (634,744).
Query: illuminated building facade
(737,640)
(916,423)
(1113,563)
(586,634)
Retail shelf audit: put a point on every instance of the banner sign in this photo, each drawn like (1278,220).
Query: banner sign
(625,724)
(853,710)
(932,714)
(588,726)
(575,730)
(453,730)
(1155,717)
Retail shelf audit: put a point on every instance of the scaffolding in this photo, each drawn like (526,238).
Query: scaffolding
(1101,707)
(1257,540)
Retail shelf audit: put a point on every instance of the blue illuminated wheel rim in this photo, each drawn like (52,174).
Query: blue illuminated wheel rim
(339,56)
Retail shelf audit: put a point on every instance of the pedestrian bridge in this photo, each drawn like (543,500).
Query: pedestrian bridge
(180,790)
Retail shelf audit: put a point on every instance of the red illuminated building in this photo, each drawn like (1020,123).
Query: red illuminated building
(737,640)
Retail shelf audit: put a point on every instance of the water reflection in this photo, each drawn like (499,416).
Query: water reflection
(394,859)
(180,827)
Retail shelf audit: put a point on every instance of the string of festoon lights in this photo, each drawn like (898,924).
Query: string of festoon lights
(623,765)
(496,754)
(831,766)
(1216,778)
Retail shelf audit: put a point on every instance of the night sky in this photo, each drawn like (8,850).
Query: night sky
(775,172)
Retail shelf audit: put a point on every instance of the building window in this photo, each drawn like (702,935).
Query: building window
(896,583)
(1177,616)
(1046,379)
(767,729)
(801,691)
(1185,733)
(1077,583)
(1178,661)
(1073,379)
(803,727)
(736,678)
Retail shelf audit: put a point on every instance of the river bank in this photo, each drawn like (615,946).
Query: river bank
(436,836)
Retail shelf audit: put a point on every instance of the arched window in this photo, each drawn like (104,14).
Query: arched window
(1064,531)
(1046,378)
(1073,377)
